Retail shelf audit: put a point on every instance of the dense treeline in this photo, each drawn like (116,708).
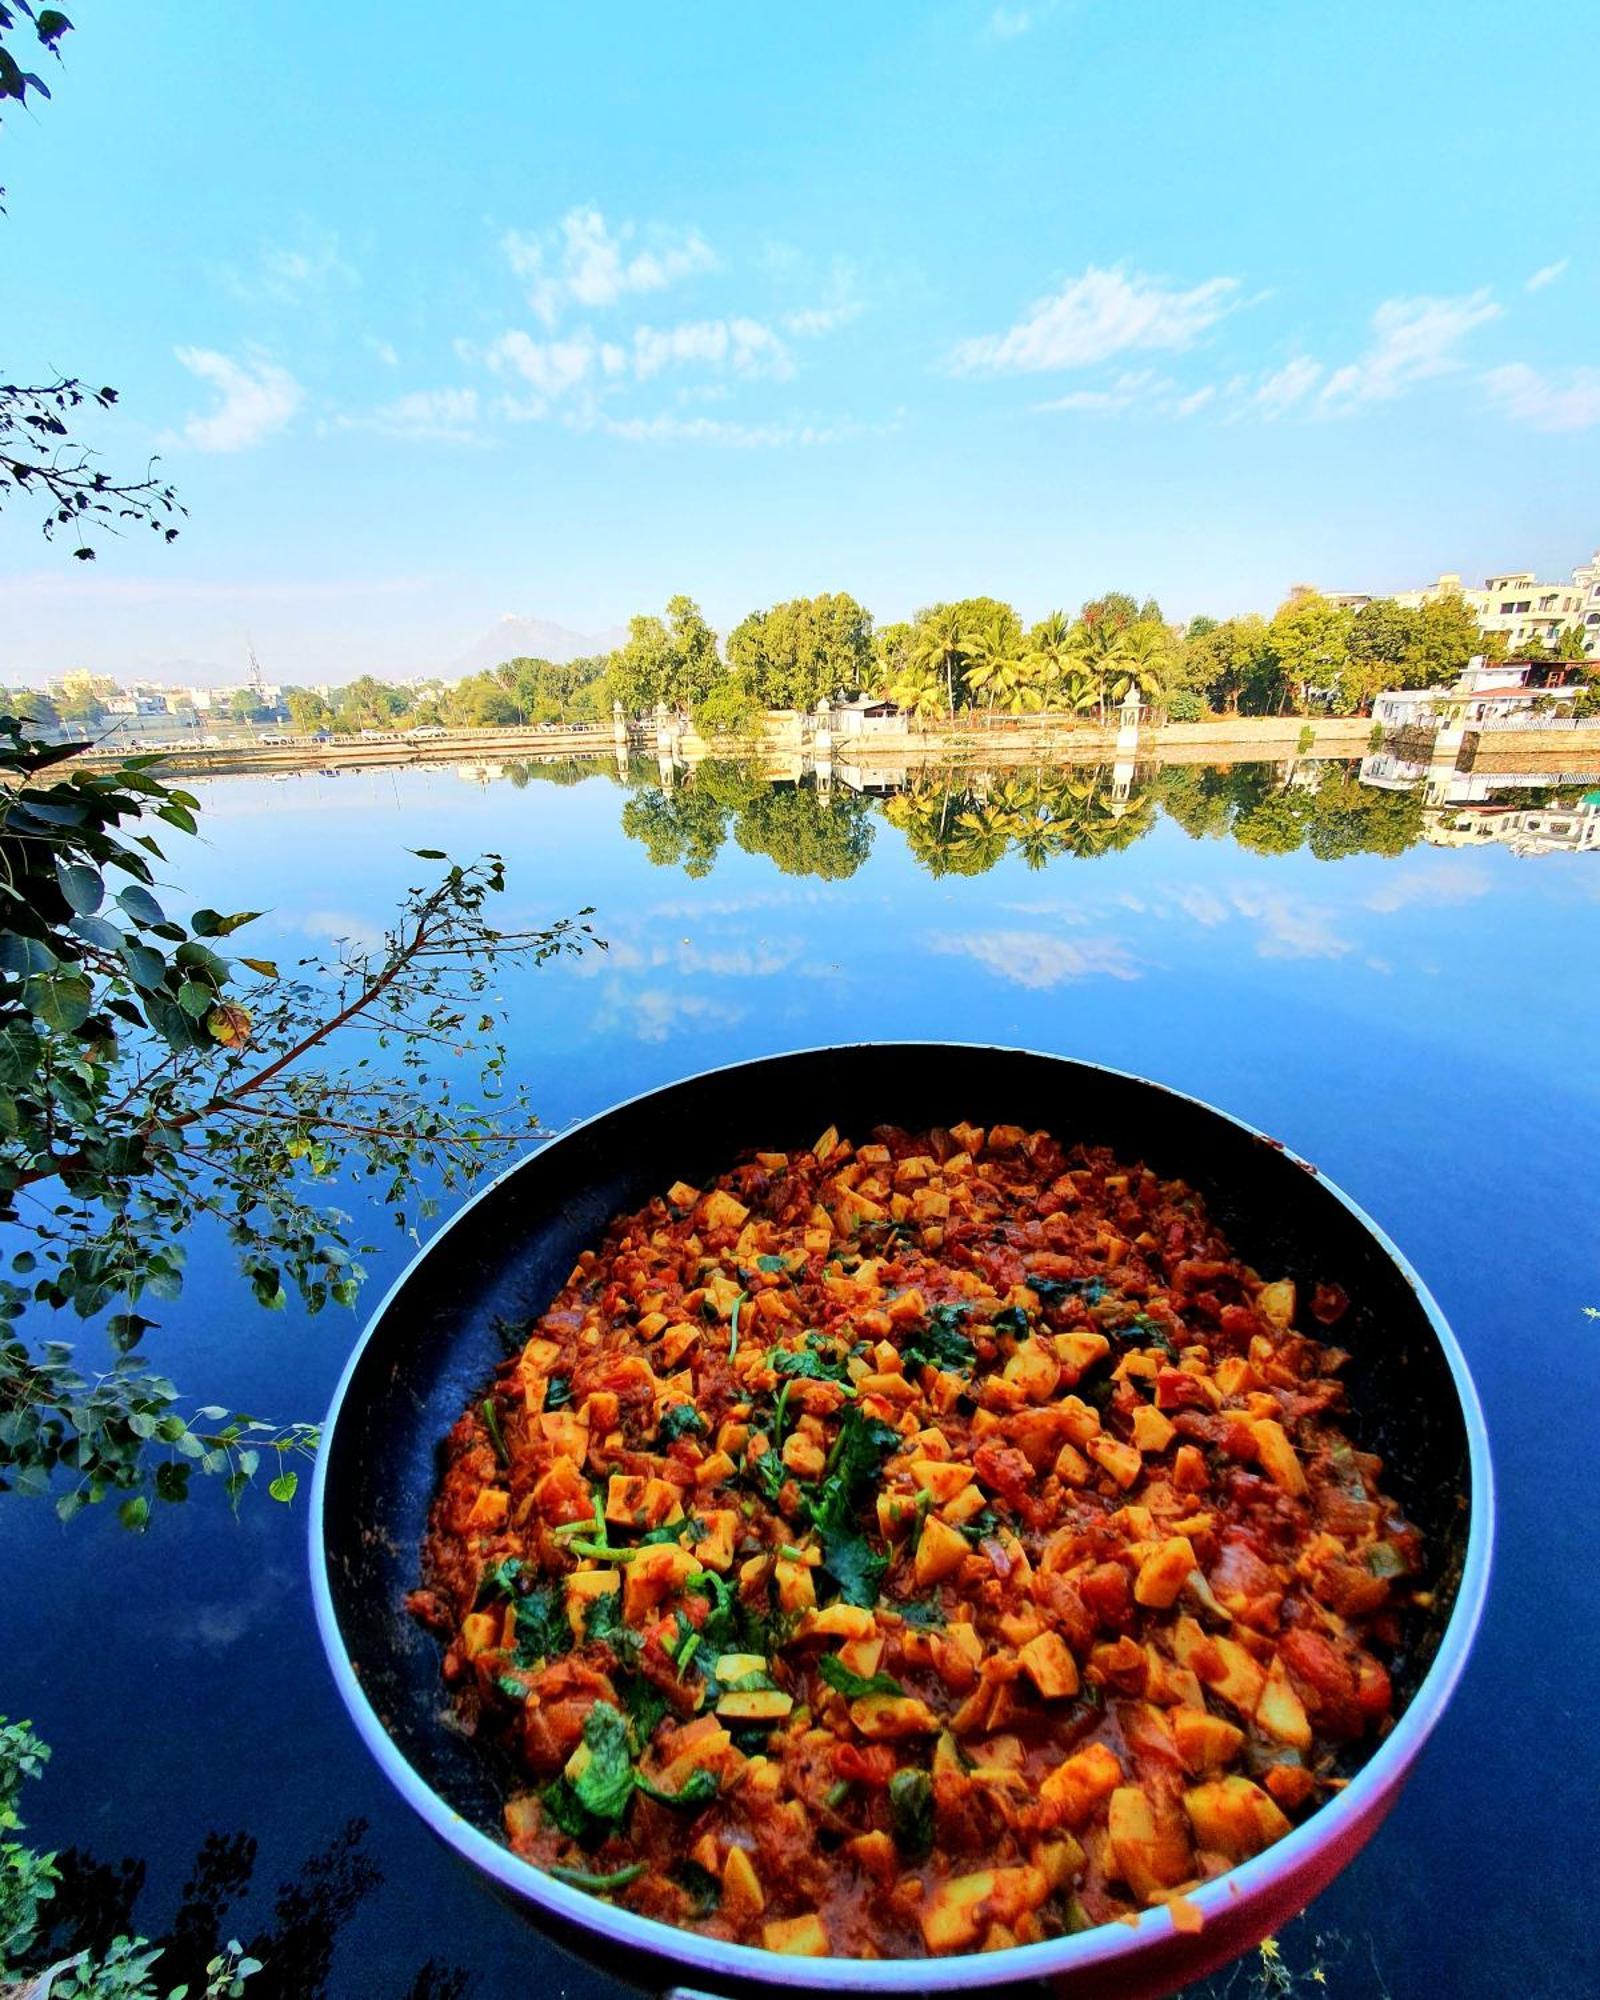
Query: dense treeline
(1311,657)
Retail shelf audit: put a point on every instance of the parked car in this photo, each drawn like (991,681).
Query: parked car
(431,730)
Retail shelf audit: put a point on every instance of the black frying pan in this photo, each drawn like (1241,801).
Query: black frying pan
(466,1301)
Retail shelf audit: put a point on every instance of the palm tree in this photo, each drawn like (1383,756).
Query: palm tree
(918,692)
(940,645)
(1050,650)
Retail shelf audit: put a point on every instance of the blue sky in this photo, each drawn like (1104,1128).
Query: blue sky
(593,304)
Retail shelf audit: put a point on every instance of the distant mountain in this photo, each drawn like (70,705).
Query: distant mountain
(530,638)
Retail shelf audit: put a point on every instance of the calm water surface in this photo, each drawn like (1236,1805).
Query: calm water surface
(1418,1020)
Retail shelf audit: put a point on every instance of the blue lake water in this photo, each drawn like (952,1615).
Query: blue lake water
(1419,1022)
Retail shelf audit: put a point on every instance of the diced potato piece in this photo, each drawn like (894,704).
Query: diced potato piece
(959,1909)
(735,1666)
(1152,1852)
(800,1937)
(896,1512)
(1205,1742)
(524,1816)
(941,1550)
(1122,1461)
(715,1547)
(1222,1664)
(755,1705)
(742,1894)
(876,1853)
(713,1469)
(653,1575)
(804,1456)
(489,1508)
(1061,1859)
(885,1716)
(1276,1302)
(702,1745)
(1278,1457)
(479,1631)
(562,1493)
(1280,1711)
(930,1204)
(584,1587)
(1050,1666)
(951,1916)
(862,1656)
(842,1621)
(1079,1350)
(1079,1785)
(1152,1432)
(1034,1370)
(566,1434)
(963,1506)
(1233,1817)
(1080,1420)
(959,1652)
(944,1479)
(721,1210)
(1161,1575)
(796,1591)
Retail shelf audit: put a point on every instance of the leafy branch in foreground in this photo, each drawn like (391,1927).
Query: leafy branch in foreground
(39,459)
(149,1083)
(28,1882)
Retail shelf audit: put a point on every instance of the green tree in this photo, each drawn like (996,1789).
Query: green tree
(891,657)
(308,712)
(368,703)
(1447,636)
(1573,644)
(804,651)
(148,1078)
(1311,638)
(938,648)
(730,709)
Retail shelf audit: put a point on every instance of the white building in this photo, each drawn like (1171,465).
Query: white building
(1487,692)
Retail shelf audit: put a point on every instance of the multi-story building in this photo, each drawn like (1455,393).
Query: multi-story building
(1516,603)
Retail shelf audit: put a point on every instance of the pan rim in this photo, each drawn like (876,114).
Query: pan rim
(1362,1800)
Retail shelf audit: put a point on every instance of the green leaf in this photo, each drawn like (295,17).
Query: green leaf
(429,853)
(21,956)
(60,999)
(586,1878)
(141,905)
(605,1784)
(911,1813)
(698,1789)
(210,923)
(146,967)
(135,1513)
(96,931)
(677,1420)
(195,999)
(285,1486)
(81,885)
(852,1685)
(941,1343)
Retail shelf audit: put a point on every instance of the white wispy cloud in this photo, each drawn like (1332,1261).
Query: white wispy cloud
(1140,386)
(1290,928)
(553,368)
(1413,340)
(745,345)
(1095,316)
(447,415)
(1546,275)
(1288,385)
(584,262)
(1037,958)
(1009,24)
(258,399)
(1568,401)
(293,273)
(384,350)
(812,320)
(668,429)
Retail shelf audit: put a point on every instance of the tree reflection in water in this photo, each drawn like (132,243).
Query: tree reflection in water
(97,1901)
(963,821)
